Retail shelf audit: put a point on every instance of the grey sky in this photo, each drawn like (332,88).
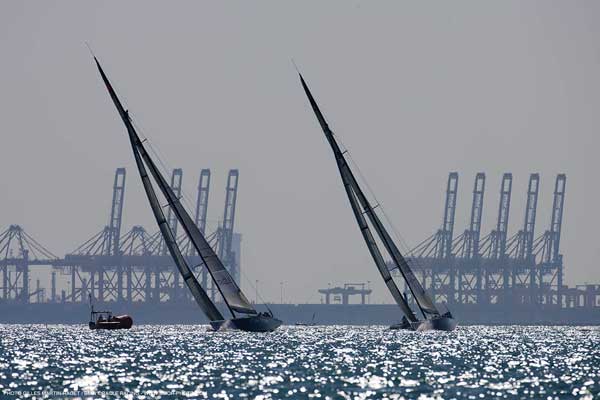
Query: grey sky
(414,89)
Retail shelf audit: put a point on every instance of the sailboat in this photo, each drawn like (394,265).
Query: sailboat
(432,319)
(243,315)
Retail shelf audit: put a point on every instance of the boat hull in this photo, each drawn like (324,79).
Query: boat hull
(436,324)
(446,324)
(401,326)
(119,322)
(254,323)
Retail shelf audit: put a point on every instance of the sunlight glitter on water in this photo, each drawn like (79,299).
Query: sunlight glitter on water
(343,362)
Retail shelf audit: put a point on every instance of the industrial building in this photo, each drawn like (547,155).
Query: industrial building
(462,269)
(522,269)
(114,266)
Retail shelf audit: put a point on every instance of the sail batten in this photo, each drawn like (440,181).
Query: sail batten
(358,200)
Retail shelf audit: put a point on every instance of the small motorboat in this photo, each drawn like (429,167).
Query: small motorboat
(106,320)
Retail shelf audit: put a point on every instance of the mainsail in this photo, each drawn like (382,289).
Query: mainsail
(199,294)
(232,294)
(357,200)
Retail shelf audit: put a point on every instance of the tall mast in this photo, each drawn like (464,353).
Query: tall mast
(351,184)
(422,299)
(199,294)
(232,294)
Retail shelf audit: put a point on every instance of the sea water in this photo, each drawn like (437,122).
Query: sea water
(327,362)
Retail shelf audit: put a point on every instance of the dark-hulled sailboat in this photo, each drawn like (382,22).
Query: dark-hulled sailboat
(432,318)
(237,303)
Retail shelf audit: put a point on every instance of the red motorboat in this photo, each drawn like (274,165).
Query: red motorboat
(105,320)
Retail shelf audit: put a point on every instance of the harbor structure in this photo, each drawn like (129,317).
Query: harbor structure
(466,268)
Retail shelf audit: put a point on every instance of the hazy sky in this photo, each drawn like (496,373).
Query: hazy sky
(414,89)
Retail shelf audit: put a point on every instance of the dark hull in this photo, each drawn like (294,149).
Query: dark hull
(108,325)
(120,322)
(402,326)
(436,324)
(248,324)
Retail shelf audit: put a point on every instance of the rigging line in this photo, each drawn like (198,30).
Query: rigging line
(403,243)
(400,238)
(123,99)
(138,127)
(264,302)
(166,168)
